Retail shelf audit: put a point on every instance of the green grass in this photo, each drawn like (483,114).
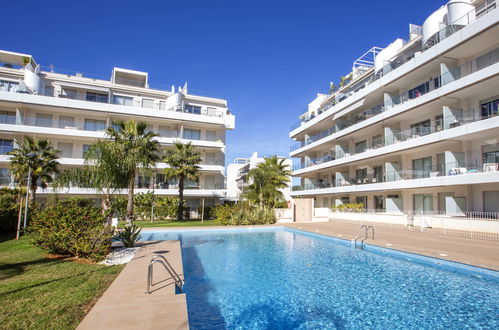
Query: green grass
(170,223)
(42,293)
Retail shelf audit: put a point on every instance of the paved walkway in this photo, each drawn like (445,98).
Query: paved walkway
(125,305)
(481,253)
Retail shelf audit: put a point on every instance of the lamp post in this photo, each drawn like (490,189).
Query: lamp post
(28,187)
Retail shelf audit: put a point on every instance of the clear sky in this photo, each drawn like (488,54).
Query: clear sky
(268,58)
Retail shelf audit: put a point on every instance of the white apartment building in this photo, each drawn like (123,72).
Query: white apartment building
(417,126)
(73,110)
(237,176)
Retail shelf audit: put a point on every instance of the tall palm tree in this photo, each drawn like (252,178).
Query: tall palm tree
(103,171)
(40,156)
(266,180)
(183,162)
(137,149)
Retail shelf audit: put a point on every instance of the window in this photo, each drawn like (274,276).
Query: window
(211,158)
(148,103)
(162,105)
(490,153)
(68,93)
(489,109)
(360,146)
(85,148)
(379,203)
(9,86)
(4,177)
(421,168)
(95,125)
(123,100)
(378,174)
(43,120)
(420,90)
(421,128)
(164,131)
(66,149)
(439,123)
(49,90)
(7,117)
(6,146)
(144,181)
(95,97)
(211,136)
(377,141)
(192,134)
(66,121)
(361,175)
(192,109)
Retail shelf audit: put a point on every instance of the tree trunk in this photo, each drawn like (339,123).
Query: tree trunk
(180,211)
(129,206)
(106,206)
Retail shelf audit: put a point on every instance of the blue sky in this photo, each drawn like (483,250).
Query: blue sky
(268,58)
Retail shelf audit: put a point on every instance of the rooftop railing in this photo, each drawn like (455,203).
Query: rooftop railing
(9,87)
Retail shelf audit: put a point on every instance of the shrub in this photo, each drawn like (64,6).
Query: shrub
(9,210)
(72,227)
(350,207)
(129,235)
(244,213)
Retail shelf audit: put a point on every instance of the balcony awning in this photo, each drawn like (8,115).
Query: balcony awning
(81,86)
(350,108)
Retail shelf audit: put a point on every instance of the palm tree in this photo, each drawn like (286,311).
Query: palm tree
(103,171)
(136,148)
(266,180)
(35,156)
(183,162)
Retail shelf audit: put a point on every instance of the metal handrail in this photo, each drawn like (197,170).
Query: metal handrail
(162,260)
(364,234)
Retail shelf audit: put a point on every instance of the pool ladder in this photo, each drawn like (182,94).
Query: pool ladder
(162,260)
(363,235)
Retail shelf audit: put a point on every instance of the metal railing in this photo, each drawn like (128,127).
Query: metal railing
(179,283)
(363,235)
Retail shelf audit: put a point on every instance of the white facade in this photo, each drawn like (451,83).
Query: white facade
(237,176)
(73,110)
(417,127)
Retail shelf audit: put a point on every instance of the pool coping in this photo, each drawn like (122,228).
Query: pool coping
(442,264)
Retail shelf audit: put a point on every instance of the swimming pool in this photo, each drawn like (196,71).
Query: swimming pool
(287,279)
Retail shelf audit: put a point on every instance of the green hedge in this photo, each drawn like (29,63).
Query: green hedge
(73,227)
(244,213)
(9,210)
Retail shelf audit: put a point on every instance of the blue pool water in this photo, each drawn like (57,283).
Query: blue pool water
(286,279)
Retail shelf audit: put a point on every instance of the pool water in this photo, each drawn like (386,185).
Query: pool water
(286,279)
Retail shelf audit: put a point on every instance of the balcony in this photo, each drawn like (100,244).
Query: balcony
(393,65)
(454,74)
(448,122)
(451,169)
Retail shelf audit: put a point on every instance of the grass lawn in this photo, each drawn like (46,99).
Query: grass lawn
(170,223)
(43,293)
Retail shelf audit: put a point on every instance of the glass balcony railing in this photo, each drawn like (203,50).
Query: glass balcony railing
(444,33)
(447,169)
(98,98)
(459,118)
(453,74)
